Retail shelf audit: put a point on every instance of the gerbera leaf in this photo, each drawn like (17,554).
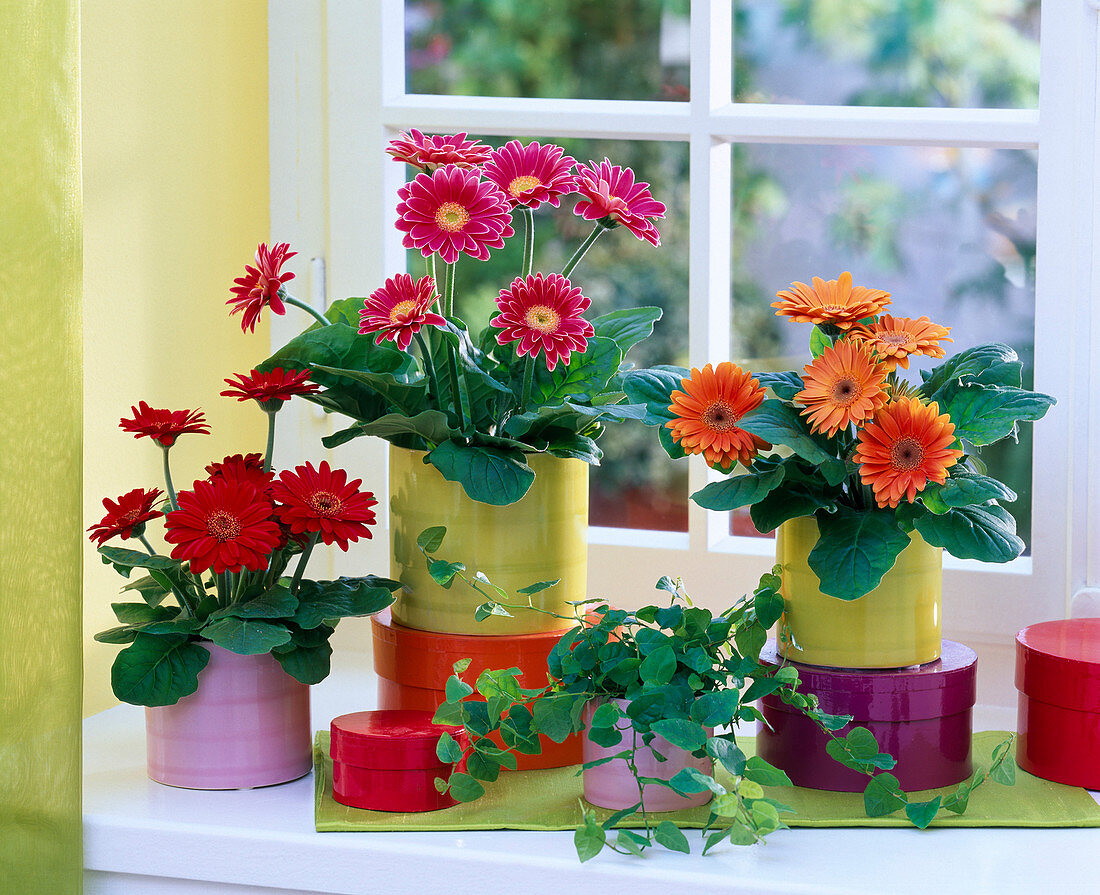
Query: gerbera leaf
(819,341)
(783,385)
(985,414)
(855,549)
(124,560)
(586,373)
(964,489)
(738,490)
(780,423)
(343,598)
(788,500)
(275,602)
(141,613)
(987,533)
(308,664)
(488,475)
(628,326)
(406,397)
(992,364)
(431,425)
(654,389)
(158,670)
(247,637)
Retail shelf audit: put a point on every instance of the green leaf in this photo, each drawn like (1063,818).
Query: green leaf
(728,754)
(683,734)
(1003,769)
(760,771)
(275,602)
(738,490)
(140,613)
(985,414)
(431,425)
(921,814)
(157,670)
(554,716)
(447,750)
(966,488)
(670,836)
(992,364)
(749,789)
(790,500)
(819,342)
(586,373)
(855,549)
(246,637)
(487,475)
(457,689)
(589,838)
(715,709)
(431,539)
(607,714)
(308,664)
(409,398)
(987,533)
(785,385)
(768,605)
(741,834)
(688,781)
(628,326)
(883,795)
(151,590)
(780,423)
(120,634)
(443,572)
(538,587)
(659,666)
(631,842)
(766,817)
(123,560)
(343,598)
(859,751)
(465,788)
(653,388)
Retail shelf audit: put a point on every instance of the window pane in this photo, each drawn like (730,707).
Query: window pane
(637,486)
(961,53)
(950,233)
(575,49)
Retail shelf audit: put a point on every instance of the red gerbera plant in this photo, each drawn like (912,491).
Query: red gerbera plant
(228,569)
(405,367)
(271,389)
(322,502)
(260,287)
(430,152)
(399,309)
(126,518)
(163,426)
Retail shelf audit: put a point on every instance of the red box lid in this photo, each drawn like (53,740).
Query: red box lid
(393,739)
(943,687)
(1058,662)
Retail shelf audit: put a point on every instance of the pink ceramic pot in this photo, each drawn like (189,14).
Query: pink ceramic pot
(611,785)
(247,725)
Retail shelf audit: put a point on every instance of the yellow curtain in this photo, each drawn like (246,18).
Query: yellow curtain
(40,456)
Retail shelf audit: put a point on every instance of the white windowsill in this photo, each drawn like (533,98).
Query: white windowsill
(141,837)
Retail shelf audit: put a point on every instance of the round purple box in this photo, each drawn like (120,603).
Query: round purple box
(921,715)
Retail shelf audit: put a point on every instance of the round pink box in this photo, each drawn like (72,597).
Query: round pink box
(921,715)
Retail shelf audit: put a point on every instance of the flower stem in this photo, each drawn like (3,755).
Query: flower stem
(147,545)
(583,249)
(429,367)
(291,300)
(270,439)
(301,567)
(456,394)
(168,480)
(528,240)
(528,377)
(449,289)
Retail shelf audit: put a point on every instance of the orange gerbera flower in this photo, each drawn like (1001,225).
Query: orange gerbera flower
(842,386)
(834,301)
(904,449)
(894,339)
(708,409)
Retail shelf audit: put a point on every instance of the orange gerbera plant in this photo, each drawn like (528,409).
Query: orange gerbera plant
(868,454)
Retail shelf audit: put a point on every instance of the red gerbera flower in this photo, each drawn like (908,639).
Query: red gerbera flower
(611,195)
(260,286)
(273,387)
(224,525)
(543,313)
(451,211)
(322,500)
(163,425)
(428,153)
(243,468)
(133,510)
(532,174)
(399,309)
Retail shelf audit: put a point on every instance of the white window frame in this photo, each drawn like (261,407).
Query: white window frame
(337,95)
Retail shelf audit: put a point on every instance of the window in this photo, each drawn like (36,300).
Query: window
(963,193)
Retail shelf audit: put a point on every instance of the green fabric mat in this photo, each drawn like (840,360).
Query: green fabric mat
(550,800)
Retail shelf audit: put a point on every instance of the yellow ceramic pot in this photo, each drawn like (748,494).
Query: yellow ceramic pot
(541,537)
(895,625)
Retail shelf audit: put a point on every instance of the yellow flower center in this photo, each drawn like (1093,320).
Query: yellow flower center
(223,526)
(896,339)
(452,217)
(835,309)
(719,416)
(523,184)
(906,453)
(400,311)
(325,503)
(844,391)
(542,318)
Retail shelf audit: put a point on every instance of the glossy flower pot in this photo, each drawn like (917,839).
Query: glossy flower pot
(895,625)
(541,537)
(611,785)
(247,725)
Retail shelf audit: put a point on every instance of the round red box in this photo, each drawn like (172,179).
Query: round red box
(1058,718)
(921,715)
(386,760)
(413,667)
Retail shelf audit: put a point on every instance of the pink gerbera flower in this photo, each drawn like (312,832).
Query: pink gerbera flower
(428,153)
(532,174)
(451,211)
(612,196)
(543,313)
(260,285)
(399,309)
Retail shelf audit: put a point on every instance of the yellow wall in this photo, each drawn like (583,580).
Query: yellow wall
(175,199)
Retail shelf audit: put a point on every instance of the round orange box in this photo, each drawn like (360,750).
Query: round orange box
(413,667)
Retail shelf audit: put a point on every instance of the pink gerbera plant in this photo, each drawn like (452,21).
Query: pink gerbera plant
(531,175)
(612,197)
(543,313)
(452,211)
(430,152)
(399,309)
